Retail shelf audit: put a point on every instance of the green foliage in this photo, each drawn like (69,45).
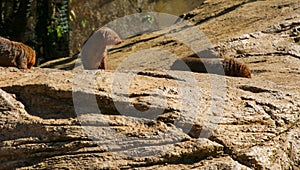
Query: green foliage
(72,15)
(42,24)
(59,22)
(148,18)
(52,29)
(83,23)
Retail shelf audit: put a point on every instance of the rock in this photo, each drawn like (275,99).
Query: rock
(191,122)
(159,118)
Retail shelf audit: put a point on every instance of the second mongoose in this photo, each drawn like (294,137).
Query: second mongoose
(93,53)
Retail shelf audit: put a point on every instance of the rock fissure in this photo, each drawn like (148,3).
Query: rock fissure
(228,151)
(278,53)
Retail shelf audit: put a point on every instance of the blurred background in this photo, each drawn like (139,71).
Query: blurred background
(58,28)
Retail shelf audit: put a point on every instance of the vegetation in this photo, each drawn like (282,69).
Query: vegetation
(45,24)
(42,24)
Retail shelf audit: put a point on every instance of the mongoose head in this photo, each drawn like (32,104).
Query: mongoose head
(235,68)
(111,37)
(31,59)
(244,71)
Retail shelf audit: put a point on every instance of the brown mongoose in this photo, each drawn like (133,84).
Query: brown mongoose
(16,54)
(93,53)
(225,66)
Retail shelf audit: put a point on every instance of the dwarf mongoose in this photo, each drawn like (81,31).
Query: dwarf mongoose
(93,53)
(227,66)
(16,54)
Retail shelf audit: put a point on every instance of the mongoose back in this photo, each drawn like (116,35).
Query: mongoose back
(16,54)
(93,53)
(227,66)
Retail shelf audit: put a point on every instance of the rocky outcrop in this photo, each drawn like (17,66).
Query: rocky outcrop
(148,120)
(158,118)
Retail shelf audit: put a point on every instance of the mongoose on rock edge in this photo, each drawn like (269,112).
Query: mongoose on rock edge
(227,66)
(93,53)
(16,54)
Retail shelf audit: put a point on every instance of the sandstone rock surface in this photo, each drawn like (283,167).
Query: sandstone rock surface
(164,119)
(191,123)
